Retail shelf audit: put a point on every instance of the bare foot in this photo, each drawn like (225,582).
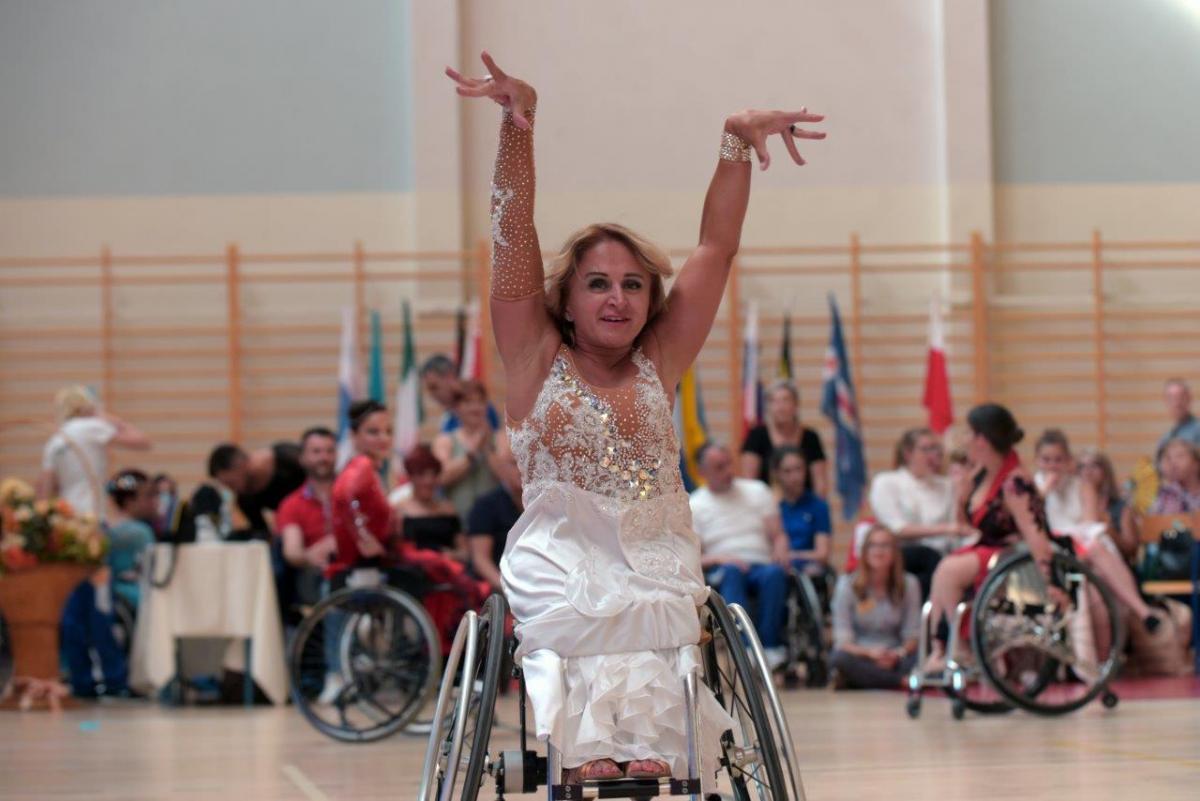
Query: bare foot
(647,769)
(935,665)
(592,771)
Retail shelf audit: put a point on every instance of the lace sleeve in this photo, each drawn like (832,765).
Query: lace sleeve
(516,256)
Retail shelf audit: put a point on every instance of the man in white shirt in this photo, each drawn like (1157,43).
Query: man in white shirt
(743,547)
(75,459)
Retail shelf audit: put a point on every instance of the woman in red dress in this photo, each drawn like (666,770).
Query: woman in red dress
(365,528)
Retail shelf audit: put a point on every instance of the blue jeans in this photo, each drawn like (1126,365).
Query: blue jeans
(85,628)
(768,584)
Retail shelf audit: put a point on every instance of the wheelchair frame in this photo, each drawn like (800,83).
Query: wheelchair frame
(476,650)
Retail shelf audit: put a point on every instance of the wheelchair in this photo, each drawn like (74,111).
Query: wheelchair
(757,761)
(1048,647)
(804,627)
(373,644)
(6,658)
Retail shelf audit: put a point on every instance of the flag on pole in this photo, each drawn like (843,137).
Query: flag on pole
(471,365)
(407,428)
(690,427)
(460,336)
(377,384)
(937,379)
(751,386)
(839,404)
(786,370)
(350,383)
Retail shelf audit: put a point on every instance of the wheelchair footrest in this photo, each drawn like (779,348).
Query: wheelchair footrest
(626,788)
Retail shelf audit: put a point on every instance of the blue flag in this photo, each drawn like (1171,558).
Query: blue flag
(839,404)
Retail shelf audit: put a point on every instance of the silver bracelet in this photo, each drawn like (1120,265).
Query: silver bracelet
(734,148)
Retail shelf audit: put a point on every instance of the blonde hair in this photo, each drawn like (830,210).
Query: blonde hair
(74,401)
(562,269)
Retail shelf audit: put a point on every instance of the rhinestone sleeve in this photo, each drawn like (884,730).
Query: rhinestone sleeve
(516,256)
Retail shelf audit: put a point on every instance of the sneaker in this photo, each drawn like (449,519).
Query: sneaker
(332,689)
(776,657)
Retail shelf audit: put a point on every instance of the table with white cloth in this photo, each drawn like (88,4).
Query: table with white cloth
(217,590)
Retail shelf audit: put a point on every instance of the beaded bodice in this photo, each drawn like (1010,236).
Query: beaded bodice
(619,443)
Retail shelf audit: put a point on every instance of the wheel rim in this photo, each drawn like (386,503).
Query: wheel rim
(1049,647)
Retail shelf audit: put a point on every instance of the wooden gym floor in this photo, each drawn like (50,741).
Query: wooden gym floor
(852,747)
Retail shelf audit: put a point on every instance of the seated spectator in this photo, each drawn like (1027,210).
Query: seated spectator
(876,618)
(1177,397)
(1180,489)
(742,545)
(492,517)
(425,520)
(214,508)
(1097,471)
(166,490)
(804,515)
(87,622)
(75,459)
(440,379)
(782,427)
(305,519)
(1073,510)
(918,504)
(469,453)
(129,531)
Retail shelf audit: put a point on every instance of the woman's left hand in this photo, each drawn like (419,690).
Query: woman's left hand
(755,127)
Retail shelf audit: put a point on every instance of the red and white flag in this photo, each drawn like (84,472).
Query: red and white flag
(937,379)
(471,366)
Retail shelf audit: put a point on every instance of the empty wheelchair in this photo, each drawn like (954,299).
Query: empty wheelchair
(365,660)
(1049,644)
(757,759)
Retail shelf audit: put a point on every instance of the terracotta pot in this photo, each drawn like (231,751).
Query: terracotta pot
(32,603)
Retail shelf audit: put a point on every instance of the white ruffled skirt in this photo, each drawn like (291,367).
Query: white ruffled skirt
(605,594)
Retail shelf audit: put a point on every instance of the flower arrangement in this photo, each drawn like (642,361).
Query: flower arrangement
(35,532)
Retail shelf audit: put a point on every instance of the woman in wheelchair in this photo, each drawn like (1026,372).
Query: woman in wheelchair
(602,570)
(366,529)
(804,514)
(1001,503)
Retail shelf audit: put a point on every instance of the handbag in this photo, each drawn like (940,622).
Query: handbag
(1170,559)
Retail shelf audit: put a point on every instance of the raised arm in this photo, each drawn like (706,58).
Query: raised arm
(521,324)
(679,332)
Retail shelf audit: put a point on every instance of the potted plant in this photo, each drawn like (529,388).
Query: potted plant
(46,550)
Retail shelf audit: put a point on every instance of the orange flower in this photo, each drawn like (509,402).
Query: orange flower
(64,508)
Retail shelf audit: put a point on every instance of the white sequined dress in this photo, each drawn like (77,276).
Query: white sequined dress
(602,572)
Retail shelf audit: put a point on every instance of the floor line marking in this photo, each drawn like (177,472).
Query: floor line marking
(304,784)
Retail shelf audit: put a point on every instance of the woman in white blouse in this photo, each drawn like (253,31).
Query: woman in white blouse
(918,503)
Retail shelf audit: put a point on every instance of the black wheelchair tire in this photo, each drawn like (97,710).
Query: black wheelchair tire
(306,629)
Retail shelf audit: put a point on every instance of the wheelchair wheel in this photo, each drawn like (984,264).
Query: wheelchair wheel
(738,676)
(6,659)
(363,663)
(457,755)
(804,635)
(1048,647)
(124,622)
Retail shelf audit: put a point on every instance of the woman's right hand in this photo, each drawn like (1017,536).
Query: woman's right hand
(511,93)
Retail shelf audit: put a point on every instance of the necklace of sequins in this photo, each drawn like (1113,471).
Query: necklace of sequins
(639,477)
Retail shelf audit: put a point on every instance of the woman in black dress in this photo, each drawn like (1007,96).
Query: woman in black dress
(782,428)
